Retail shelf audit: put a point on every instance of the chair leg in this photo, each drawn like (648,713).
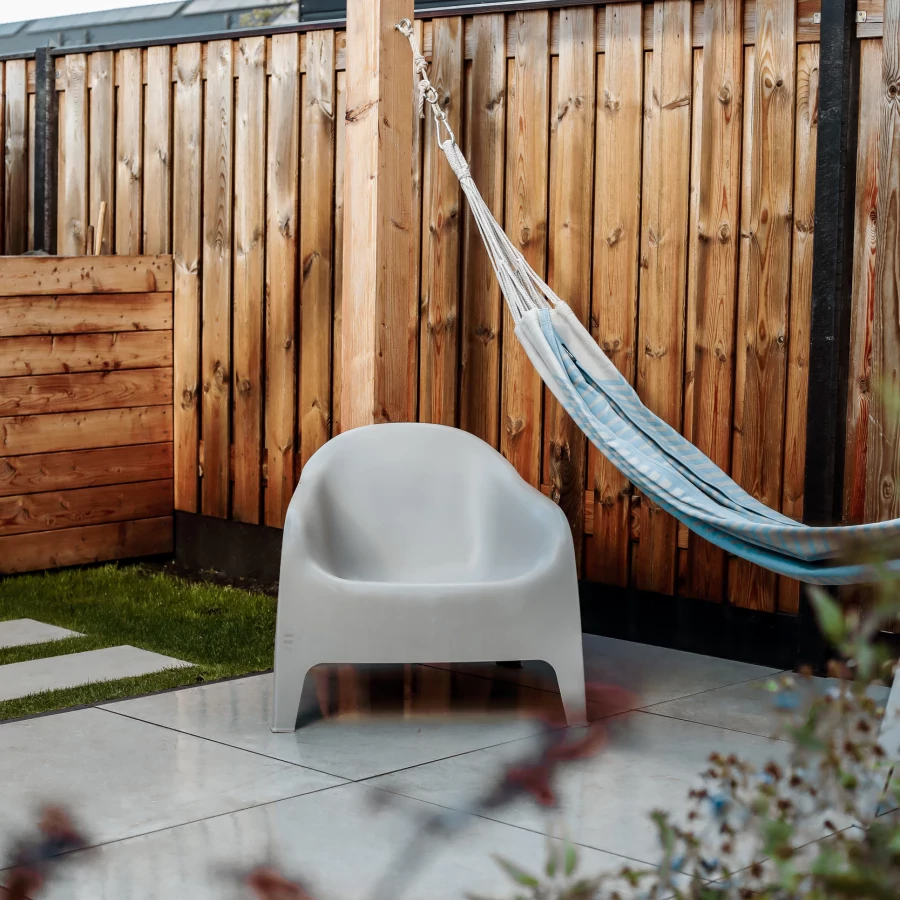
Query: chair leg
(570,676)
(290,673)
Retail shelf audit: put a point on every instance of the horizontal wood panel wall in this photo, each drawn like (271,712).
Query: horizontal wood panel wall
(86,438)
(647,158)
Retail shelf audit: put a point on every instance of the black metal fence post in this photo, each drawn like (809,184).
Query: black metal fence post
(46,151)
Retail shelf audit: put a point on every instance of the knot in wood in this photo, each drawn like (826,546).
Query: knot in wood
(724,233)
(515,426)
(779,83)
(220,375)
(244,385)
(894,89)
(610,346)
(887,488)
(288,344)
(524,236)
(187,398)
(613,237)
(725,94)
(780,340)
(720,353)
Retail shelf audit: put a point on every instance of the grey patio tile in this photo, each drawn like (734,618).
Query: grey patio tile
(19,632)
(122,777)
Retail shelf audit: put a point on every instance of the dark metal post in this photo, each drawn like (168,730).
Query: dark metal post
(832,283)
(46,151)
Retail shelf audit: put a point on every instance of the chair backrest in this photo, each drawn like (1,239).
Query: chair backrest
(404,502)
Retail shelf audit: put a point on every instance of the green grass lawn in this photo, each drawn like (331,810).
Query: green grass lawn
(224,631)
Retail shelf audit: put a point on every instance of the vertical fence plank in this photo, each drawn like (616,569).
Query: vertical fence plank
(187,199)
(3,155)
(30,189)
(73,182)
(281,273)
(759,451)
(617,213)
(883,481)
(60,168)
(16,163)
(129,151)
(415,246)
(157,151)
(485,121)
(439,290)
(249,275)
(862,315)
(216,272)
(710,351)
(569,251)
(340,115)
(807,125)
(316,234)
(526,224)
(660,367)
(101,156)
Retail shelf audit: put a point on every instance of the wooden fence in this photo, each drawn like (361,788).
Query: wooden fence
(655,161)
(86,455)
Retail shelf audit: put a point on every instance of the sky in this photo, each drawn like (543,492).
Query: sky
(12,11)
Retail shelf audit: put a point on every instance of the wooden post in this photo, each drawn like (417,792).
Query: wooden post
(378,215)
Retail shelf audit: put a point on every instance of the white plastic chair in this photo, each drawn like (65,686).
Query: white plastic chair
(411,543)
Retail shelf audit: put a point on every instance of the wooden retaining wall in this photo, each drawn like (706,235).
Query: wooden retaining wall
(86,453)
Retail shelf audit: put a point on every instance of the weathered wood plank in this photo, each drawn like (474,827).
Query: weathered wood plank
(485,124)
(85,506)
(617,210)
(85,431)
(249,276)
(281,274)
(862,316)
(31,164)
(439,289)
(16,163)
(338,250)
(73,177)
(569,251)
(807,128)
(763,317)
(711,315)
(29,395)
(527,176)
(129,152)
(316,234)
(415,248)
(187,168)
(158,151)
(85,468)
(216,366)
(97,275)
(74,314)
(660,365)
(84,545)
(56,354)
(3,155)
(102,154)
(883,472)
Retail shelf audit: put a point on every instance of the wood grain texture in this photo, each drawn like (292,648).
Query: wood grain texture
(249,276)
(340,115)
(441,221)
(129,152)
(85,545)
(15,232)
(85,506)
(57,354)
(415,246)
(216,367)
(484,129)
(73,177)
(569,245)
(283,156)
(763,315)
(102,152)
(807,128)
(710,350)
(73,314)
(660,358)
(378,217)
(157,151)
(38,394)
(92,275)
(316,236)
(862,315)
(3,155)
(85,431)
(527,158)
(85,468)
(187,168)
(617,216)
(883,472)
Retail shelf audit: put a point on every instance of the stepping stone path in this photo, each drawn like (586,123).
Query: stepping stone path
(72,669)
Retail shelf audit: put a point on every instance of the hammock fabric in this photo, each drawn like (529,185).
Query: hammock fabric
(654,456)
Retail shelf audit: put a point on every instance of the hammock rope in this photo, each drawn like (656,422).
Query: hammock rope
(657,459)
